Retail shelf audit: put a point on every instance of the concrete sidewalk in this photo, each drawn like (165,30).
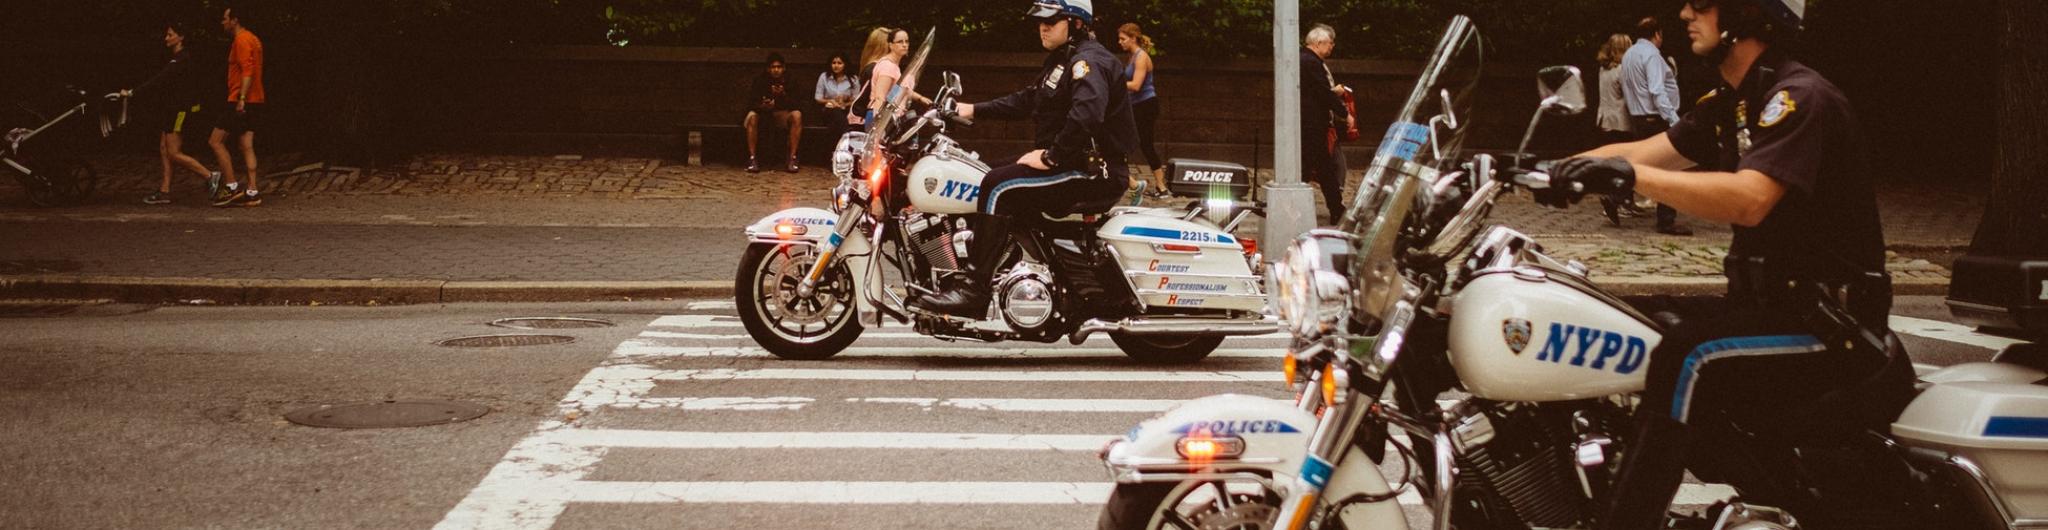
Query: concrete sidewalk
(454,227)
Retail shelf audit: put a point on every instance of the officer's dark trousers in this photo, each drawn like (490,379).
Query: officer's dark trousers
(1746,367)
(1020,191)
(1319,166)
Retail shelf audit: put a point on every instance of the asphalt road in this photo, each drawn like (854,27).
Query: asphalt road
(173,417)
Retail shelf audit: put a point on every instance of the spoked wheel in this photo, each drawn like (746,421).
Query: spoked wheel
(787,325)
(64,184)
(1167,349)
(1190,505)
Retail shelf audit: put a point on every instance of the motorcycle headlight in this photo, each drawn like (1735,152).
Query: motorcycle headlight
(846,155)
(1314,295)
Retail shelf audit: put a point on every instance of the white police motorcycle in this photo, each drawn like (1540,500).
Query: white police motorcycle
(1166,284)
(1411,299)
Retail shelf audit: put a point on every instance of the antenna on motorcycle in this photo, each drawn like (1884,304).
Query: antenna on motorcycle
(1562,93)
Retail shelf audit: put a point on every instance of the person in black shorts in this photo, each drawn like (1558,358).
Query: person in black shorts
(170,100)
(238,120)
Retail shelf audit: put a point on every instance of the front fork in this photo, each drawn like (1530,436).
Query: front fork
(848,222)
(1330,447)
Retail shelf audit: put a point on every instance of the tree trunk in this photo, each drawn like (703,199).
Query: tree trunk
(2016,218)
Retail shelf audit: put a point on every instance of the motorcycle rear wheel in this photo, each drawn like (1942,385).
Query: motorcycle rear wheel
(1167,349)
(792,327)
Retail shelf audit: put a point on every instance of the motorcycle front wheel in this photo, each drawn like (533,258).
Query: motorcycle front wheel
(1167,349)
(1189,505)
(787,325)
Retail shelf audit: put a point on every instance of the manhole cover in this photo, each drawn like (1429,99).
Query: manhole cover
(386,414)
(551,323)
(36,310)
(499,341)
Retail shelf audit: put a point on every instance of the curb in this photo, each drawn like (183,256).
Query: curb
(208,291)
(402,292)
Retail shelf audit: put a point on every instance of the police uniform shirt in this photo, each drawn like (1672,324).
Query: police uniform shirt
(1787,122)
(1079,106)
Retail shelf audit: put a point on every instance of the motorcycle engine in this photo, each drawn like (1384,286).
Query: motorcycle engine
(1027,299)
(1525,458)
(933,237)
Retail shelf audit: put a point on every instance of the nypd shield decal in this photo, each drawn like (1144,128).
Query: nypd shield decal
(1516,332)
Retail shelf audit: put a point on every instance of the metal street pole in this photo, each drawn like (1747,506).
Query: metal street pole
(1290,204)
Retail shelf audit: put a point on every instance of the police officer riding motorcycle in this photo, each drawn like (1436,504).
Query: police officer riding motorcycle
(1799,355)
(1083,130)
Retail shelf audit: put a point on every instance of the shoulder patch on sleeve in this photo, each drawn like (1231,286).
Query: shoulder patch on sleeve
(1080,69)
(1781,105)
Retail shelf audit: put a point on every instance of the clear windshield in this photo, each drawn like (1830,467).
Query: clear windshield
(1421,143)
(900,96)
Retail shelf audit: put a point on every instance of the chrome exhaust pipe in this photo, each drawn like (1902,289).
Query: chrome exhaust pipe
(1176,326)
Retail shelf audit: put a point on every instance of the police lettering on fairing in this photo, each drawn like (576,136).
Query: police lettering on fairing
(1575,344)
(1236,427)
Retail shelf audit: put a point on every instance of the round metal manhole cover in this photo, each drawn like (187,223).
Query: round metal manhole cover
(503,341)
(551,323)
(387,414)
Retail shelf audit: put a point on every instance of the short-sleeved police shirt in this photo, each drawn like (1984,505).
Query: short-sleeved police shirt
(1788,123)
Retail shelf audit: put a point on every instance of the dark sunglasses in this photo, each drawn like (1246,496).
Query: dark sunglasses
(1702,5)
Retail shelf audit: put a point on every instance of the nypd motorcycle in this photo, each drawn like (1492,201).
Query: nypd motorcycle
(1166,284)
(1412,299)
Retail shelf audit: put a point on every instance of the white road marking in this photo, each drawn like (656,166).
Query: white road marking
(830,492)
(695,321)
(653,334)
(654,350)
(710,305)
(1949,332)
(1032,405)
(962,375)
(712,403)
(607,438)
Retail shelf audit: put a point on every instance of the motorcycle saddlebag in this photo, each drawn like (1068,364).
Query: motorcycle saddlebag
(1204,179)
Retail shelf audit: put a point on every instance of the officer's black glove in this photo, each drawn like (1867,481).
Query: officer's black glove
(1574,178)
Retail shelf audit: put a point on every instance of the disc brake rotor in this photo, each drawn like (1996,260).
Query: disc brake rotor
(1248,512)
(800,310)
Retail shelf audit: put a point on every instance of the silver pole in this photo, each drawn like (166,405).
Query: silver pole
(1290,204)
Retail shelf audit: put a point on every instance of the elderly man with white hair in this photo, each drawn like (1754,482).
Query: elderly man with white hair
(1321,109)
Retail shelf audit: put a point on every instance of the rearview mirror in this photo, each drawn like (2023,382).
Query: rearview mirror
(1561,90)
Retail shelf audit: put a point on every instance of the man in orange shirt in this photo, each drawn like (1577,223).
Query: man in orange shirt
(239,118)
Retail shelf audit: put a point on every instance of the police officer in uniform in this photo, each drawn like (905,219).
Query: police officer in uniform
(1775,152)
(1084,128)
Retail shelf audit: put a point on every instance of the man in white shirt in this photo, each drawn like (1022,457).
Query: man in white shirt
(1650,91)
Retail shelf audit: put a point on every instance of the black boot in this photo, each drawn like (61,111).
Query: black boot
(1650,474)
(970,299)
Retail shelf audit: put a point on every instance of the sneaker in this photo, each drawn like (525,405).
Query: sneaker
(157,198)
(792,165)
(226,194)
(249,199)
(753,166)
(213,184)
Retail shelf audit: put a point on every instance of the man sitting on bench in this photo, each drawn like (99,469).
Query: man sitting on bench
(770,98)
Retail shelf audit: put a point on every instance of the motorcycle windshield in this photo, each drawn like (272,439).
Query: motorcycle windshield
(1423,139)
(899,96)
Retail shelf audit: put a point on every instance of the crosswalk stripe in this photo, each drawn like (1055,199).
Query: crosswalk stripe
(727,374)
(828,492)
(648,349)
(657,334)
(710,305)
(642,439)
(980,404)
(695,321)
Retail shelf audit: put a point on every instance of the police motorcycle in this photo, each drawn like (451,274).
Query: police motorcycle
(1411,299)
(1166,284)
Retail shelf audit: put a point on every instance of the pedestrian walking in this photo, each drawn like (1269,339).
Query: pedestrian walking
(1144,103)
(837,88)
(1613,117)
(769,99)
(241,117)
(1322,107)
(1650,92)
(871,52)
(887,72)
(171,99)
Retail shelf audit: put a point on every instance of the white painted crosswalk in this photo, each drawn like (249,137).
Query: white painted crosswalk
(682,417)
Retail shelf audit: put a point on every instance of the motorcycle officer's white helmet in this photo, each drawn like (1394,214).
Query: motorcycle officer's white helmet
(1081,9)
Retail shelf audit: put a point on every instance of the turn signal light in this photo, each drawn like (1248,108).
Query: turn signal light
(1204,448)
(1329,385)
(1289,366)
